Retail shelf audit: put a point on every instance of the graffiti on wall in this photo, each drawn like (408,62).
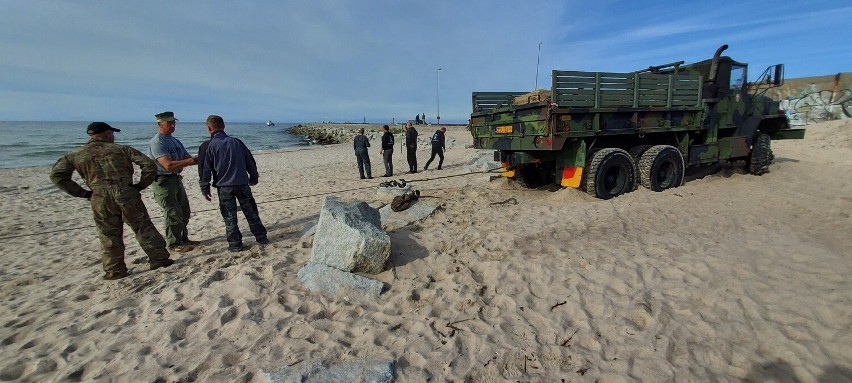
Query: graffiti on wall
(818,106)
(810,101)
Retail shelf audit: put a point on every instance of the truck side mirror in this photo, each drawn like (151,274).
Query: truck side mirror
(778,78)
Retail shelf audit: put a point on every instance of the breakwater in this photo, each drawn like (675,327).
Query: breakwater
(326,134)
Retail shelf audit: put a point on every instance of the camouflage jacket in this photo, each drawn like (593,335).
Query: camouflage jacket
(102,164)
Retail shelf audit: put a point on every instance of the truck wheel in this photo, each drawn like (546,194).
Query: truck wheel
(761,155)
(610,172)
(636,153)
(661,167)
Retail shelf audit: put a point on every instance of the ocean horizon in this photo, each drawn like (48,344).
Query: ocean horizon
(41,143)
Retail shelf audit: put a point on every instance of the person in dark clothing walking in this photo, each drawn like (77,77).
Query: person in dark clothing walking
(411,147)
(438,147)
(361,143)
(233,170)
(387,151)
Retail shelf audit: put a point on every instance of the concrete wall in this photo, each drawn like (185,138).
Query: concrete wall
(810,100)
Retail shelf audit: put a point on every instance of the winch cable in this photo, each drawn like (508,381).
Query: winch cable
(258,203)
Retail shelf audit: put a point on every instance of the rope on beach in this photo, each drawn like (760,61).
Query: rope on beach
(259,203)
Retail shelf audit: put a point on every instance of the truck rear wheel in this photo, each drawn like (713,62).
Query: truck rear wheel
(609,173)
(761,155)
(661,167)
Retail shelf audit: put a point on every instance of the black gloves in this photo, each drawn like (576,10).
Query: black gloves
(87,194)
(137,187)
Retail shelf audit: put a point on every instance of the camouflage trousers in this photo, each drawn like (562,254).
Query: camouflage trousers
(112,207)
(171,196)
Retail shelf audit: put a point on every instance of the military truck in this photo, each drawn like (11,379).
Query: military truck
(607,133)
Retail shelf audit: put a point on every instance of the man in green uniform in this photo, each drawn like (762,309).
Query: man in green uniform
(107,169)
(171,157)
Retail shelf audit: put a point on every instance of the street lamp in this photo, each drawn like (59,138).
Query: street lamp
(438,93)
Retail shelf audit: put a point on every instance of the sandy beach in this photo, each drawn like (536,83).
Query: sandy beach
(729,278)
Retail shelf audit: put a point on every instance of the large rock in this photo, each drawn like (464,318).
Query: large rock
(393,220)
(321,278)
(375,372)
(349,237)
(482,162)
(390,191)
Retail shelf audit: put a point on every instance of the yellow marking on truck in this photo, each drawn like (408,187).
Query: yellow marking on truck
(571,176)
(504,129)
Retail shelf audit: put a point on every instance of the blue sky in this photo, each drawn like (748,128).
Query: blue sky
(318,60)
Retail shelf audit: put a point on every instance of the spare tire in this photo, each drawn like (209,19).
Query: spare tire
(609,173)
(661,167)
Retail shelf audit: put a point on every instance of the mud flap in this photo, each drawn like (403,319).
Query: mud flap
(571,176)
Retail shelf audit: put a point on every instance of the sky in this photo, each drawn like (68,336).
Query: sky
(378,61)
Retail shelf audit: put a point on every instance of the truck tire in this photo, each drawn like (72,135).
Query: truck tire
(636,153)
(761,155)
(661,167)
(609,173)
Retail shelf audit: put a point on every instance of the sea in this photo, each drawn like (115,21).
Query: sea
(41,143)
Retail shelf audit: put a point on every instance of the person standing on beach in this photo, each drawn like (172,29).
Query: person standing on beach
(438,147)
(411,147)
(233,171)
(387,151)
(171,157)
(107,169)
(361,143)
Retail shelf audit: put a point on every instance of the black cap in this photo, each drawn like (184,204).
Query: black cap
(100,127)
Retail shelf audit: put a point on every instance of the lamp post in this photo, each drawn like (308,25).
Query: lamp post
(438,93)
(537,62)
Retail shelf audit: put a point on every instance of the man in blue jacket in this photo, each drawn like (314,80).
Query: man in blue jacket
(233,171)
(387,151)
(438,147)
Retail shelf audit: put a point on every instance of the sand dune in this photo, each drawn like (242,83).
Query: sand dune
(729,278)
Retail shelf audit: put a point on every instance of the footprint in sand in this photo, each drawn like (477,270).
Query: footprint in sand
(228,315)
(13,371)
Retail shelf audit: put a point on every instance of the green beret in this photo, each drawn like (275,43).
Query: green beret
(165,116)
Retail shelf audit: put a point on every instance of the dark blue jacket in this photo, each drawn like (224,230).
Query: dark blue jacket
(387,141)
(229,162)
(438,139)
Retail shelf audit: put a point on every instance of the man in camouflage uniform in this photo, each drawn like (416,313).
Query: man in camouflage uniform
(107,169)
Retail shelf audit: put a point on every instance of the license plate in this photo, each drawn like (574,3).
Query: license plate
(504,129)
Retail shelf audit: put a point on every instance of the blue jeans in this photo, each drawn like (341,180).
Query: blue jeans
(363,161)
(387,157)
(228,198)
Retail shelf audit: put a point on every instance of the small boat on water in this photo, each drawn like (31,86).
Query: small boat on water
(270,123)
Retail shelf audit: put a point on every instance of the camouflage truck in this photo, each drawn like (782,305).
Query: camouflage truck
(609,132)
